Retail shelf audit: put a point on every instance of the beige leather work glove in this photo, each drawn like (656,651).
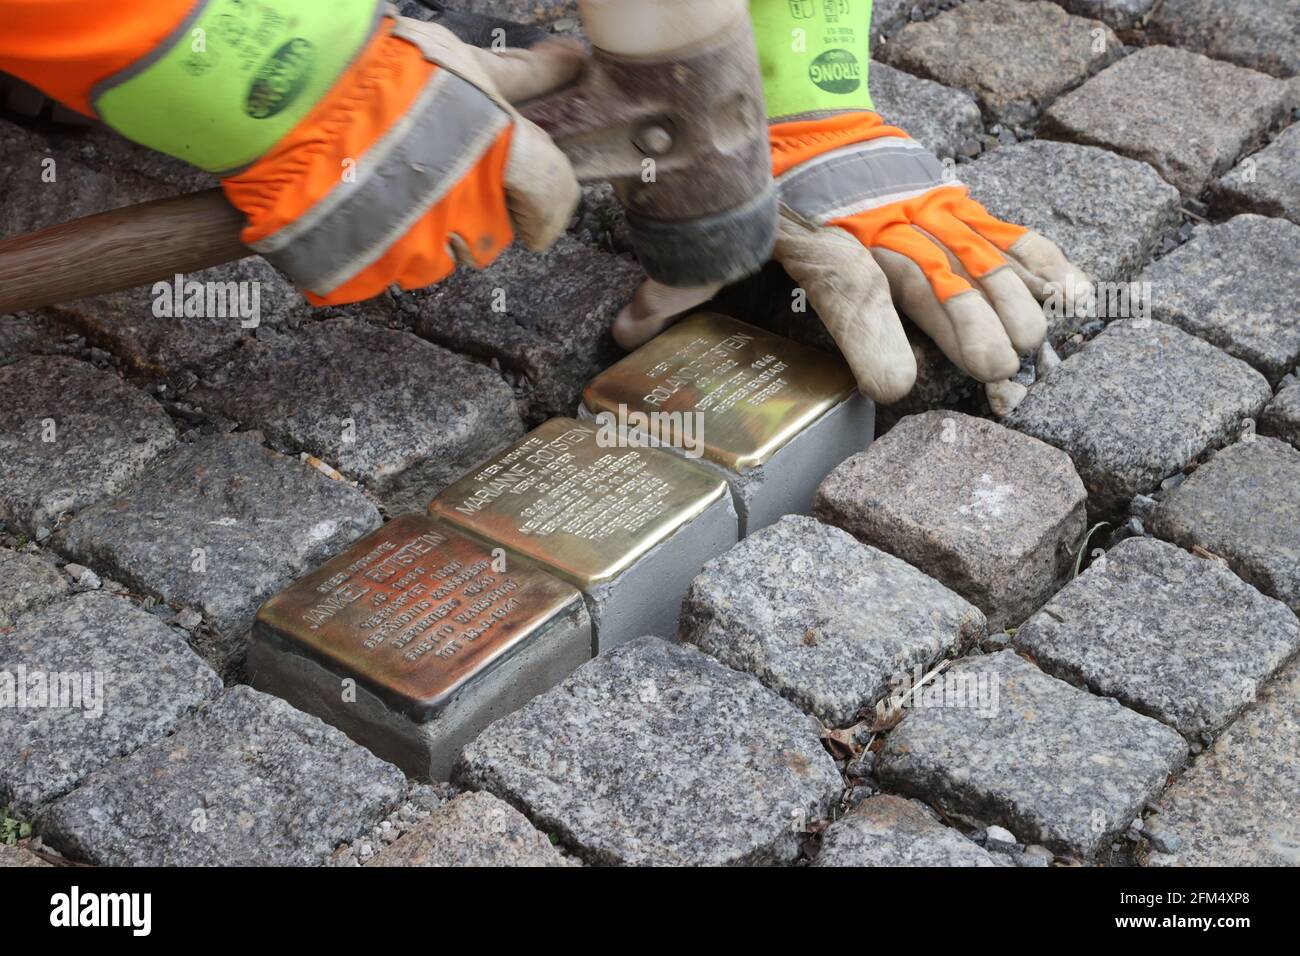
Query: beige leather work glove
(870,221)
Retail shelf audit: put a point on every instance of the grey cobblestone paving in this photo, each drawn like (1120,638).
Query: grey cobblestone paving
(1051,763)
(100,678)
(1118,14)
(474,829)
(1013,56)
(44,184)
(1177,637)
(544,318)
(522,11)
(826,622)
(1261,34)
(1213,287)
(26,583)
(1267,182)
(993,514)
(939,118)
(220,525)
(71,434)
(1282,416)
(401,415)
(1243,507)
(892,831)
(15,856)
(1193,120)
(32,333)
(1236,805)
(125,322)
(99,148)
(1126,429)
(654,753)
(890,16)
(247,781)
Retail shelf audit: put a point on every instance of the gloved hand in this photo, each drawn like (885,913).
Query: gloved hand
(868,220)
(866,215)
(363,148)
(453,178)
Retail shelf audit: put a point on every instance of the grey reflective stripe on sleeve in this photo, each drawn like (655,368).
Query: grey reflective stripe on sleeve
(399,179)
(859,177)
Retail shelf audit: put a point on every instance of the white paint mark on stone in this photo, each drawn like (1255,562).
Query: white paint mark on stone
(988,501)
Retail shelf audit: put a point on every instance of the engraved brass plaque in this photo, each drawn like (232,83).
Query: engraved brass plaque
(414,611)
(754,390)
(578,503)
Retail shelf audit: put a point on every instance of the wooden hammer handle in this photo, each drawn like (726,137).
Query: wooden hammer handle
(135,245)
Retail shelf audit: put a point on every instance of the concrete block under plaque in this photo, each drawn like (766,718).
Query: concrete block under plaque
(772,416)
(416,638)
(629,527)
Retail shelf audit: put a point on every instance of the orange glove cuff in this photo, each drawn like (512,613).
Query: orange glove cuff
(328,151)
(888,196)
(324,150)
(796,143)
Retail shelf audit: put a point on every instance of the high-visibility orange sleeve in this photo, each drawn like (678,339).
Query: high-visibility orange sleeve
(65,47)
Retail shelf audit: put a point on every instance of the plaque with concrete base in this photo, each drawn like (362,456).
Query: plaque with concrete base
(772,416)
(416,638)
(629,527)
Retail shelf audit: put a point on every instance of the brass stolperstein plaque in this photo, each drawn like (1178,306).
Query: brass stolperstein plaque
(414,611)
(755,390)
(580,505)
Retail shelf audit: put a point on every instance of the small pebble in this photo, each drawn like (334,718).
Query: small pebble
(1004,396)
(997,642)
(1172,482)
(1041,852)
(1163,841)
(863,767)
(189,619)
(1032,860)
(1143,506)
(999,840)
(1046,360)
(860,793)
